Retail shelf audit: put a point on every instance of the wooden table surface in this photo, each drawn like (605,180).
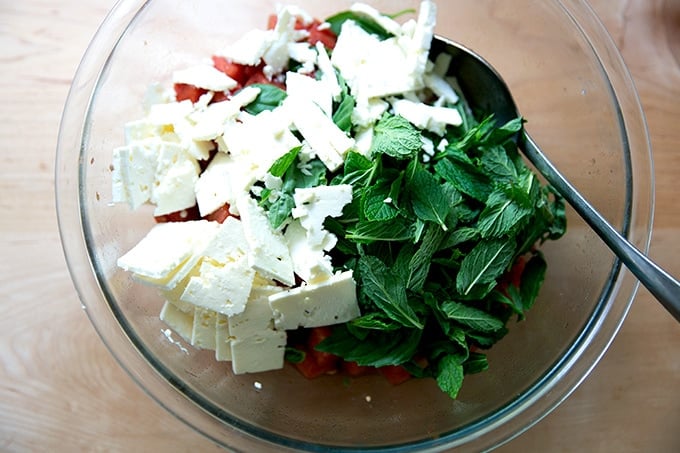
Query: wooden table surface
(60,389)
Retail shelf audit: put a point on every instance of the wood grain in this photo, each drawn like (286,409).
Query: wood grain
(60,389)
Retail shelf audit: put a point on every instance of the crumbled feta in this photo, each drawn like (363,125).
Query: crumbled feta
(313,205)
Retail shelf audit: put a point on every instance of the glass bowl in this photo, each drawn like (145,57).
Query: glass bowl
(570,83)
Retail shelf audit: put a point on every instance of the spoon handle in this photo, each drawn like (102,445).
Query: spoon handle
(663,287)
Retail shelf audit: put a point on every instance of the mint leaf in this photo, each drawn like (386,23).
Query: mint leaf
(498,165)
(283,163)
(465,177)
(450,375)
(476,363)
(374,321)
(419,264)
(294,355)
(269,98)
(428,198)
(379,200)
(471,317)
(358,169)
(364,21)
(532,280)
(280,210)
(502,215)
(396,137)
(375,349)
(486,262)
(387,291)
(395,230)
(315,174)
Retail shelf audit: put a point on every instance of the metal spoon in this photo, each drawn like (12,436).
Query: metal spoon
(485,90)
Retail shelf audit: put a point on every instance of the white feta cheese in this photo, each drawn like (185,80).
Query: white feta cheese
(213,188)
(167,249)
(328,75)
(198,149)
(257,317)
(330,302)
(175,176)
(313,205)
(363,140)
(262,351)
(441,88)
(181,322)
(267,250)
(250,48)
(140,130)
(203,332)
(328,141)
(169,113)
(310,263)
(222,338)
(304,54)
(256,142)
(210,122)
(134,173)
(276,56)
(305,87)
(368,111)
(426,116)
(422,36)
(204,76)
(228,244)
(224,289)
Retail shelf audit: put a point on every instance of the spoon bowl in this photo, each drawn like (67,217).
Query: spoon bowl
(486,91)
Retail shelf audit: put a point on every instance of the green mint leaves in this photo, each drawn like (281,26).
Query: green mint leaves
(396,137)
(439,247)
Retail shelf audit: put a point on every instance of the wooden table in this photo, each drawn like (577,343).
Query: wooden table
(61,390)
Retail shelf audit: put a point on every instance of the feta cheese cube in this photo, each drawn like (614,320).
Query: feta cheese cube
(203,331)
(134,173)
(330,302)
(262,351)
(222,338)
(257,317)
(180,321)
